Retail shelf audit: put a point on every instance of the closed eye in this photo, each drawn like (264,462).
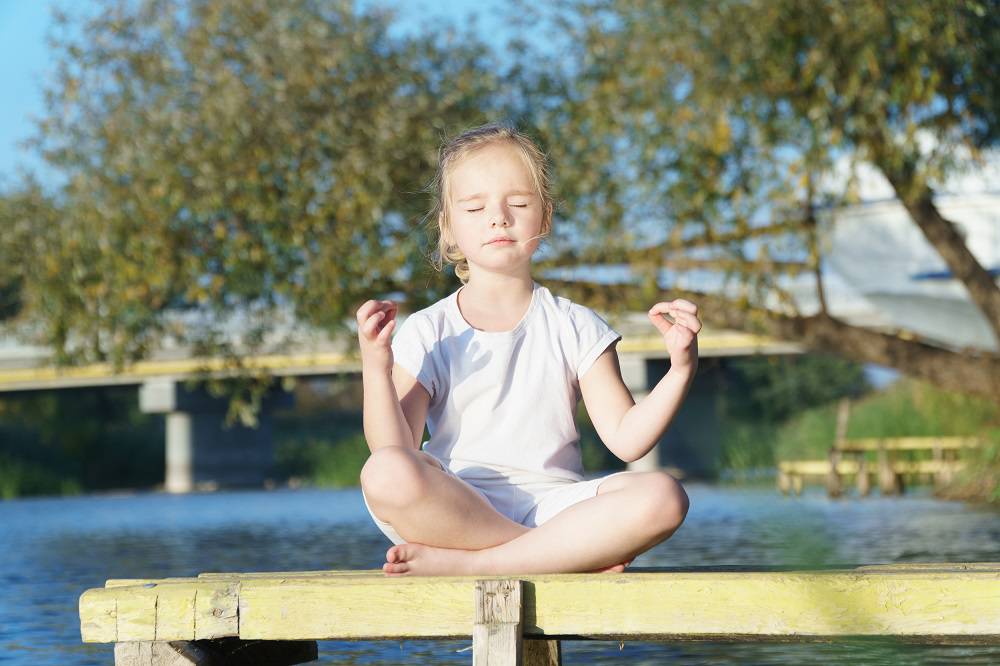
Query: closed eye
(476,210)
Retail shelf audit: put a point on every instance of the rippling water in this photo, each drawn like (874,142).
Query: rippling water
(51,550)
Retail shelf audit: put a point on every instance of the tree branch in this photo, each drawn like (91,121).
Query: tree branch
(963,371)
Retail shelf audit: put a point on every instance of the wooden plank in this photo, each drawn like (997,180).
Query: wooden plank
(190,610)
(360,573)
(908,443)
(721,605)
(496,632)
(956,600)
(98,616)
(137,616)
(351,608)
(849,466)
(175,613)
(541,652)
(817,467)
(217,610)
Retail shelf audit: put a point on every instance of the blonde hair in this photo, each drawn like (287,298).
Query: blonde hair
(451,153)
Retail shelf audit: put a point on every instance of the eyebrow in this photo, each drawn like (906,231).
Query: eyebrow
(480,194)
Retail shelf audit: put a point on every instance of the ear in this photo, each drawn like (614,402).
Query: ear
(445,235)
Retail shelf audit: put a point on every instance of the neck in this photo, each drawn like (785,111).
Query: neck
(501,292)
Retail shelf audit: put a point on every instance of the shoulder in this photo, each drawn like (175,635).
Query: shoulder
(425,323)
(570,313)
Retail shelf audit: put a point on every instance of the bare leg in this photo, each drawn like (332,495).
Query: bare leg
(407,488)
(629,516)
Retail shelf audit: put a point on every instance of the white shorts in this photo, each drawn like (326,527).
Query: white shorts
(530,500)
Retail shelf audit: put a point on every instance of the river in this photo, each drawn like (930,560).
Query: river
(52,549)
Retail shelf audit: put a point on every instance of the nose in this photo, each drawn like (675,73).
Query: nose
(501,219)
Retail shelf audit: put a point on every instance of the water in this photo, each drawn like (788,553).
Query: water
(52,549)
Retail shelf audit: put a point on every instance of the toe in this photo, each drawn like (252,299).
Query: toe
(395,569)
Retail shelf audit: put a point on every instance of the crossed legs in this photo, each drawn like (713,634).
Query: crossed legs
(452,530)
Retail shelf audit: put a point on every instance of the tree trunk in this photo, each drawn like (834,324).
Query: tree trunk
(899,165)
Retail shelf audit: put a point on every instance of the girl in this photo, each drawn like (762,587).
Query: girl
(497,369)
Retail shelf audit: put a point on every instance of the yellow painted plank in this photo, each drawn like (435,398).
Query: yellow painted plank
(817,467)
(765,604)
(919,600)
(771,604)
(136,616)
(353,608)
(216,610)
(175,612)
(822,467)
(908,443)
(332,573)
(160,611)
(161,367)
(132,582)
(98,617)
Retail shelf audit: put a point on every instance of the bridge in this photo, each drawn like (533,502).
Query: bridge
(202,453)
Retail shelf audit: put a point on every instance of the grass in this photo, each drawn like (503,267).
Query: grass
(906,409)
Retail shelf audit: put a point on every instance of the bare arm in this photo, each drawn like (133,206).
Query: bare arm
(395,404)
(631,430)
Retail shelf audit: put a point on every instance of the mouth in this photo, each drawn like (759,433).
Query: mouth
(501,241)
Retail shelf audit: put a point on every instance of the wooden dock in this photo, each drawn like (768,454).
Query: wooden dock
(276,617)
(934,459)
(848,458)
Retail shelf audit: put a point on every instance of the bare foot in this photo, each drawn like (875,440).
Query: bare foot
(409,559)
(617,568)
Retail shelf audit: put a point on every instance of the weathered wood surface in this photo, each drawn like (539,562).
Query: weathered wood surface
(948,601)
(497,631)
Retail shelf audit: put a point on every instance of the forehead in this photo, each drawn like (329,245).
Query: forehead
(494,168)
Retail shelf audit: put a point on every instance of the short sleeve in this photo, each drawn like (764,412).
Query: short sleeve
(593,335)
(410,349)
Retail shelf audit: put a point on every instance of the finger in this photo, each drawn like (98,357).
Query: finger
(661,324)
(689,321)
(370,327)
(684,305)
(683,337)
(366,310)
(386,333)
(662,307)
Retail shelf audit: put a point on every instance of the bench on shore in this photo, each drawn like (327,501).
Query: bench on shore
(276,617)
(847,457)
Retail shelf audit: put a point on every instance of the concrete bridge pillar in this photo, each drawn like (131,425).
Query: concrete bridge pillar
(201,452)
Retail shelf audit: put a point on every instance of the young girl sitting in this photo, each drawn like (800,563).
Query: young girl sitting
(497,369)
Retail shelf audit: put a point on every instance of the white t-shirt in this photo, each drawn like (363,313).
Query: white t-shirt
(505,400)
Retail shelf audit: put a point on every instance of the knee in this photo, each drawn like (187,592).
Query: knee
(392,476)
(668,503)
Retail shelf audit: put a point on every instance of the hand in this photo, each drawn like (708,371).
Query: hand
(376,321)
(681,336)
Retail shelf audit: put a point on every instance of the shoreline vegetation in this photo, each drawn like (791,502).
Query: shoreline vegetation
(52,445)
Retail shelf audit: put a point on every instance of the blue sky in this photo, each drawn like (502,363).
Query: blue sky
(26,60)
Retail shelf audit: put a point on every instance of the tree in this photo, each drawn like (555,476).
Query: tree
(700,137)
(232,160)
